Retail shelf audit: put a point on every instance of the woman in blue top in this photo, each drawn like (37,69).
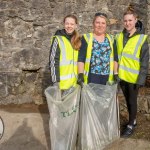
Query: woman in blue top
(99,69)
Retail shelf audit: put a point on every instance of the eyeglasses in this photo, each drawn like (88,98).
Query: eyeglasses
(100,14)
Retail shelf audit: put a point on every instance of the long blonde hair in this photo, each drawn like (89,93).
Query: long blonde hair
(76,39)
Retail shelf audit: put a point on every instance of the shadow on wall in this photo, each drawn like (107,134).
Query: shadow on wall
(23,139)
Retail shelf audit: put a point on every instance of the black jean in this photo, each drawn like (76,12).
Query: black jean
(130,92)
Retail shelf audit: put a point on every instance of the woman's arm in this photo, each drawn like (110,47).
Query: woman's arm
(115,58)
(144,63)
(54,58)
(116,67)
(82,56)
(80,67)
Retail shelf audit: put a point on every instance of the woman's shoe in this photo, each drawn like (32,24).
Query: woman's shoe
(128,131)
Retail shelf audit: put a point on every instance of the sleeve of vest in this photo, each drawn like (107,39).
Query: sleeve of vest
(144,64)
(82,51)
(54,58)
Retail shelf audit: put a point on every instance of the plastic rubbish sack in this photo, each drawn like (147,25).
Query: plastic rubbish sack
(64,117)
(1,127)
(99,119)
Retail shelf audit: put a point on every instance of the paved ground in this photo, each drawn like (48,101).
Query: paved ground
(26,128)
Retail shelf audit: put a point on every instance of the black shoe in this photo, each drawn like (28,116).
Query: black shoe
(128,131)
(135,125)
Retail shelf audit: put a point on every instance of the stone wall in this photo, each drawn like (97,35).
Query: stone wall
(25,30)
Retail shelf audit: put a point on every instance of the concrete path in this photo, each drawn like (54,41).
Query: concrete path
(27,129)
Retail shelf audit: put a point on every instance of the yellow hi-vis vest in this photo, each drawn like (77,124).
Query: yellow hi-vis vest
(68,64)
(129,57)
(89,39)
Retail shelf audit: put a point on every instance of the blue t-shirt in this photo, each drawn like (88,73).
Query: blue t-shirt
(100,62)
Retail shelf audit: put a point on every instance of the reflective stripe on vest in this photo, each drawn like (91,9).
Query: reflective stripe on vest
(64,60)
(89,39)
(68,63)
(69,76)
(129,57)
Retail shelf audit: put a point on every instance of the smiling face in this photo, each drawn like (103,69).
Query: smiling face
(99,25)
(70,25)
(129,22)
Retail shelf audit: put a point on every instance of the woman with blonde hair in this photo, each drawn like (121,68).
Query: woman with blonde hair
(64,54)
(97,69)
(133,52)
(63,97)
(97,62)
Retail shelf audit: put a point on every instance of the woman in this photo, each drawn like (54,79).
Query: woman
(97,62)
(133,52)
(64,54)
(64,112)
